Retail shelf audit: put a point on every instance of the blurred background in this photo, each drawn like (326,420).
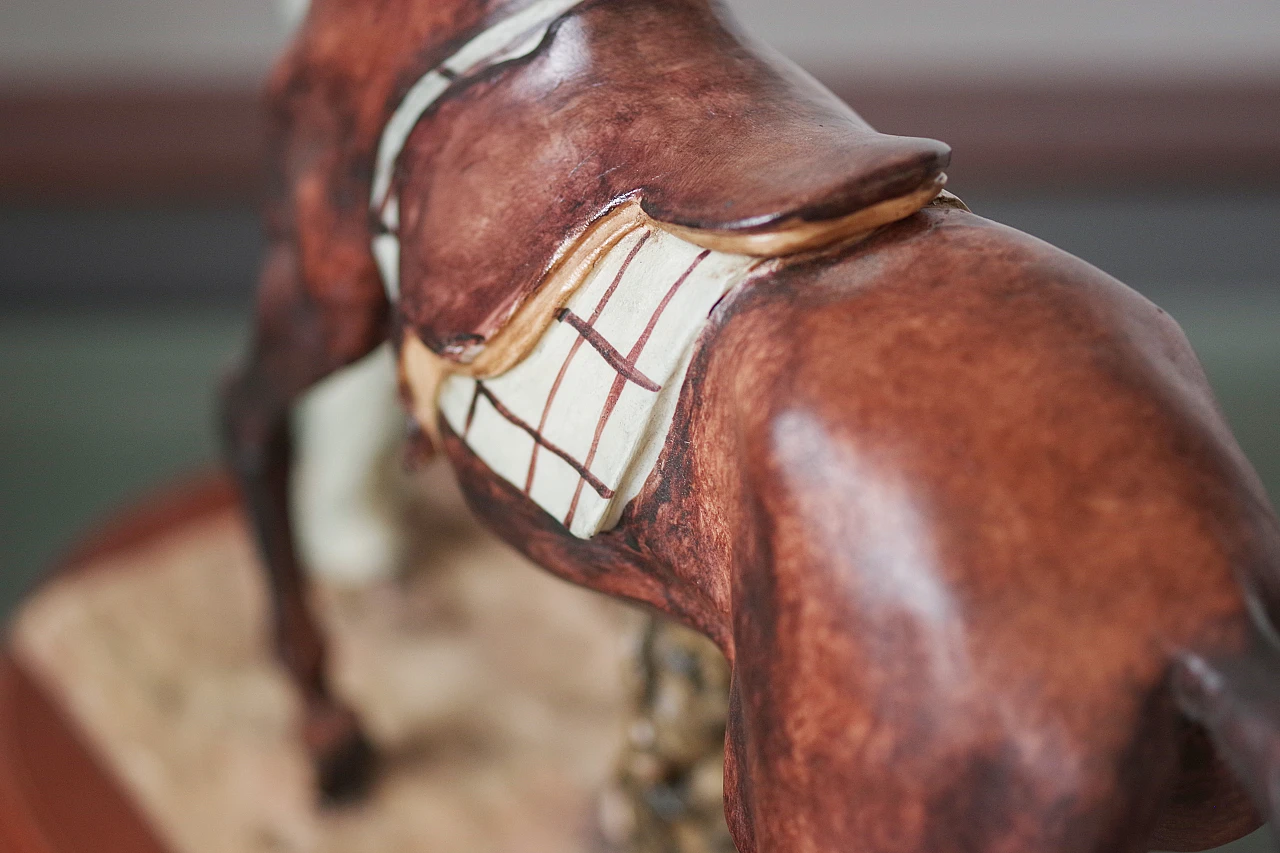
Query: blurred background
(1141,135)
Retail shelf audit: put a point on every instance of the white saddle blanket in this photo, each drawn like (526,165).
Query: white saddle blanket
(580,423)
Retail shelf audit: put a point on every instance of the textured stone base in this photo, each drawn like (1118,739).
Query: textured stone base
(497,694)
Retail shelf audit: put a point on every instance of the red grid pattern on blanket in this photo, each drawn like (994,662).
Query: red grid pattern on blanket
(624,365)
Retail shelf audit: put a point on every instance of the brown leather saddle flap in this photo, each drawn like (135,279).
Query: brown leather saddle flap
(655,100)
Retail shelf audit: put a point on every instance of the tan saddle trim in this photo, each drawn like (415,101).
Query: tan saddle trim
(797,235)
(570,268)
(423,371)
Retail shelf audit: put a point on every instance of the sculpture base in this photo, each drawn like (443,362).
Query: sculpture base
(141,710)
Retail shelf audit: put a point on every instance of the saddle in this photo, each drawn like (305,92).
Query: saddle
(507,165)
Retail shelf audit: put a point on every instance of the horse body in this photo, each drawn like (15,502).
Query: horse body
(959,509)
(953,503)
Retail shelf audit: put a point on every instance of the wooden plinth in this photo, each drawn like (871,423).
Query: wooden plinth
(528,737)
(55,795)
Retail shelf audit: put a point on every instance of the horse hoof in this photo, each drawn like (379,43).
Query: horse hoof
(346,773)
(343,756)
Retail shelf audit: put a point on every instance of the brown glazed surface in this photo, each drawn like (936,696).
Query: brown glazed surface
(960,509)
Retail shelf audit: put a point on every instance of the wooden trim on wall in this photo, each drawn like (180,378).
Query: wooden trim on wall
(205,146)
(1222,135)
(136,146)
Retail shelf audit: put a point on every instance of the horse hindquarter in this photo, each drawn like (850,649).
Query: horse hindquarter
(988,501)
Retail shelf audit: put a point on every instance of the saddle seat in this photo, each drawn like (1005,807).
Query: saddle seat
(657,109)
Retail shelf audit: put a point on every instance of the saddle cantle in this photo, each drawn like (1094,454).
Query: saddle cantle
(662,103)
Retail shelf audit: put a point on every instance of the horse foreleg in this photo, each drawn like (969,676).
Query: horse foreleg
(292,350)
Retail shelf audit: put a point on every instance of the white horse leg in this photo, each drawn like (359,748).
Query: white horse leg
(347,509)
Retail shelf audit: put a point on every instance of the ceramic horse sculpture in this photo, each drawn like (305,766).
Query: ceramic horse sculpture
(960,510)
